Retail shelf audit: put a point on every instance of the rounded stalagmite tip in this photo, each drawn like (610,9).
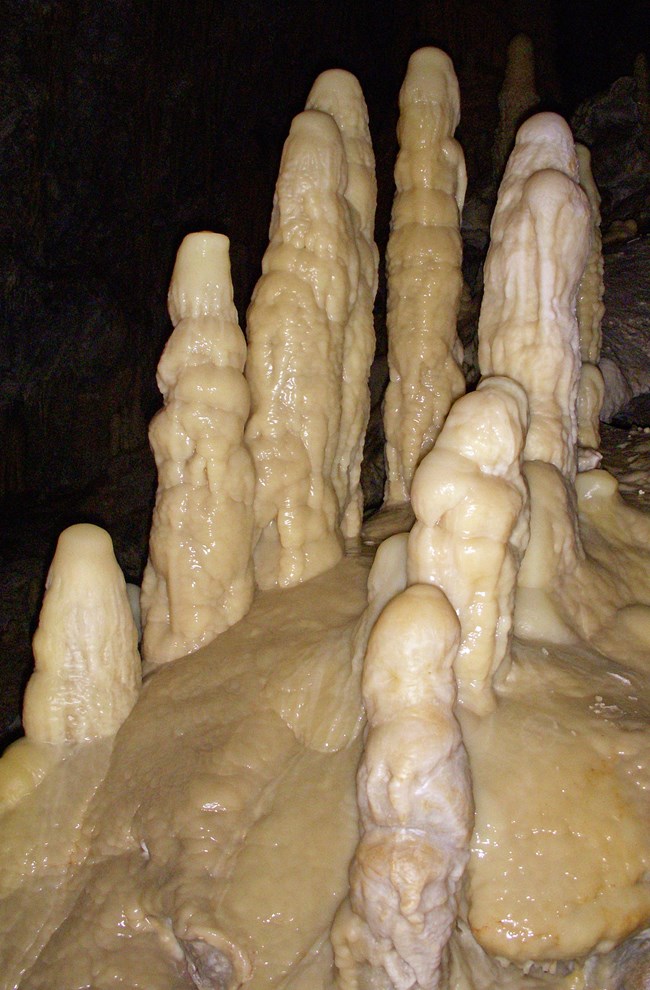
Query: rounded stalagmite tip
(200,284)
(87,667)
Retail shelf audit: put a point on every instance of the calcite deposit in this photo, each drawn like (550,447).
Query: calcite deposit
(421,768)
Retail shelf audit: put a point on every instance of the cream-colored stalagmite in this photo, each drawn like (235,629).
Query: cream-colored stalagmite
(415,803)
(517,96)
(590,310)
(527,328)
(296,327)
(590,307)
(471,508)
(338,93)
(199,576)
(87,674)
(423,268)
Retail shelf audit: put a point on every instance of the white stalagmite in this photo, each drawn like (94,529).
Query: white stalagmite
(590,310)
(423,268)
(528,329)
(87,675)
(471,507)
(415,803)
(296,328)
(517,96)
(199,576)
(338,93)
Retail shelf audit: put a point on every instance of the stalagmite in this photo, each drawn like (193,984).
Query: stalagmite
(518,95)
(415,803)
(590,307)
(87,674)
(296,328)
(470,503)
(527,328)
(199,576)
(423,269)
(590,310)
(338,93)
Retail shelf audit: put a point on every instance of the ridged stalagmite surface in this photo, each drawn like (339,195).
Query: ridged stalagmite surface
(296,327)
(87,673)
(199,576)
(415,804)
(470,504)
(528,330)
(423,267)
(338,93)
(590,311)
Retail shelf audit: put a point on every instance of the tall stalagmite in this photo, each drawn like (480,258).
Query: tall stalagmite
(423,265)
(199,576)
(338,93)
(296,327)
(590,311)
(528,329)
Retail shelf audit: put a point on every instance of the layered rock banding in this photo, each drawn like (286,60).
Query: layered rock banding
(207,844)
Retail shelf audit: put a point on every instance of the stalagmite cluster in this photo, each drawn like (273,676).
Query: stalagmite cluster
(423,269)
(199,576)
(425,771)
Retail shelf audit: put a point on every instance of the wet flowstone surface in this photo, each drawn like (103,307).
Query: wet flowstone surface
(30,529)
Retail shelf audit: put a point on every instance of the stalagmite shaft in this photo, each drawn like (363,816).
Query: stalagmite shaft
(199,576)
(423,267)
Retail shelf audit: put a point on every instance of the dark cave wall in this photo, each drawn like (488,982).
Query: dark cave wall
(127,124)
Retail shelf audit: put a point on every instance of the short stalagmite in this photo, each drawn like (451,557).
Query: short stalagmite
(296,327)
(423,269)
(338,93)
(87,674)
(415,803)
(199,576)
(527,328)
(471,508)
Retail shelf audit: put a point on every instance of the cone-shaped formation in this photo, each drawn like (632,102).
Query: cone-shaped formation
(517,97)
(590,310)
(338,93)
(87,674)
(540,241)
(423,268)
(296,327)
(199,576)
(415,803)
(471,528)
